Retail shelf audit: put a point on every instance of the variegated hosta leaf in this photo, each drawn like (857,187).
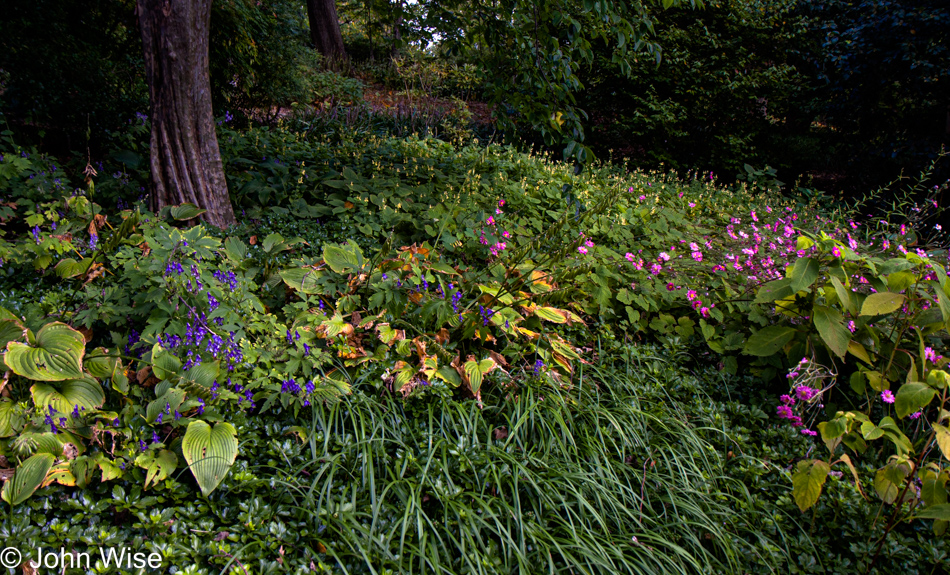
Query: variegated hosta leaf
(210,452)
(56,355)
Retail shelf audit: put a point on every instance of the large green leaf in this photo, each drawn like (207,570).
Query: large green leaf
(70,268)
(168,403)
(56,355)
(10,330)
(768,340)
(28,477)
(99,363)
(157,466)
(343,259)
(808,481)
(210,452)
(831,328)
(63,396)
(185,212)
(774,290)
(882,303)
(844,296)
(943,439)
(6,418)
(474,373)
(912,397)
(235,250)
(302,279)
(804,273)
(940,511)
(888,480)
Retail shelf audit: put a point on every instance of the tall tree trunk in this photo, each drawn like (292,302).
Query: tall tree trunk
(186,163)
(325,28)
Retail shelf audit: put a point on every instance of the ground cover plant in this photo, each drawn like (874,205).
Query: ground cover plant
(421,356)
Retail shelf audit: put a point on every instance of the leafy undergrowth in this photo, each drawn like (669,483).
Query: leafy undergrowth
(425,352)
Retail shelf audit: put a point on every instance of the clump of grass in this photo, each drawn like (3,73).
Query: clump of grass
(603,477)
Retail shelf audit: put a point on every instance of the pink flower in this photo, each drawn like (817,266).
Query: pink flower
(836,251)
(704,311)
(805,393)
(754,219)
(664,256)
(498,211)
(630,257)
(501,203)
(851,326)
(641,198)
(490,221)
(930,354)
(887,396)
(506,234)
(809,432)
(692,204)
(582,250)
(691,295)
(916,414)
(655,269)
(589,244)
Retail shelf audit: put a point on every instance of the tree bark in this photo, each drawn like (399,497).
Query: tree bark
(325,28)
(185,159)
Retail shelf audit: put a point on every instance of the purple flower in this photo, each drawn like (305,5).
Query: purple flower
(93,240)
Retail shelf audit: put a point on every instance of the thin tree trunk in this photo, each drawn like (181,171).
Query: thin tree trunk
(185,159)
(325,28)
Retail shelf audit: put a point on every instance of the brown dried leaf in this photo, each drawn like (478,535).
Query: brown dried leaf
(420,346)
(98,222)
(501,433)
(442,336)
(95,270)
(70,451)
(86,333)
(142,375)
(252,240)
(499,359)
